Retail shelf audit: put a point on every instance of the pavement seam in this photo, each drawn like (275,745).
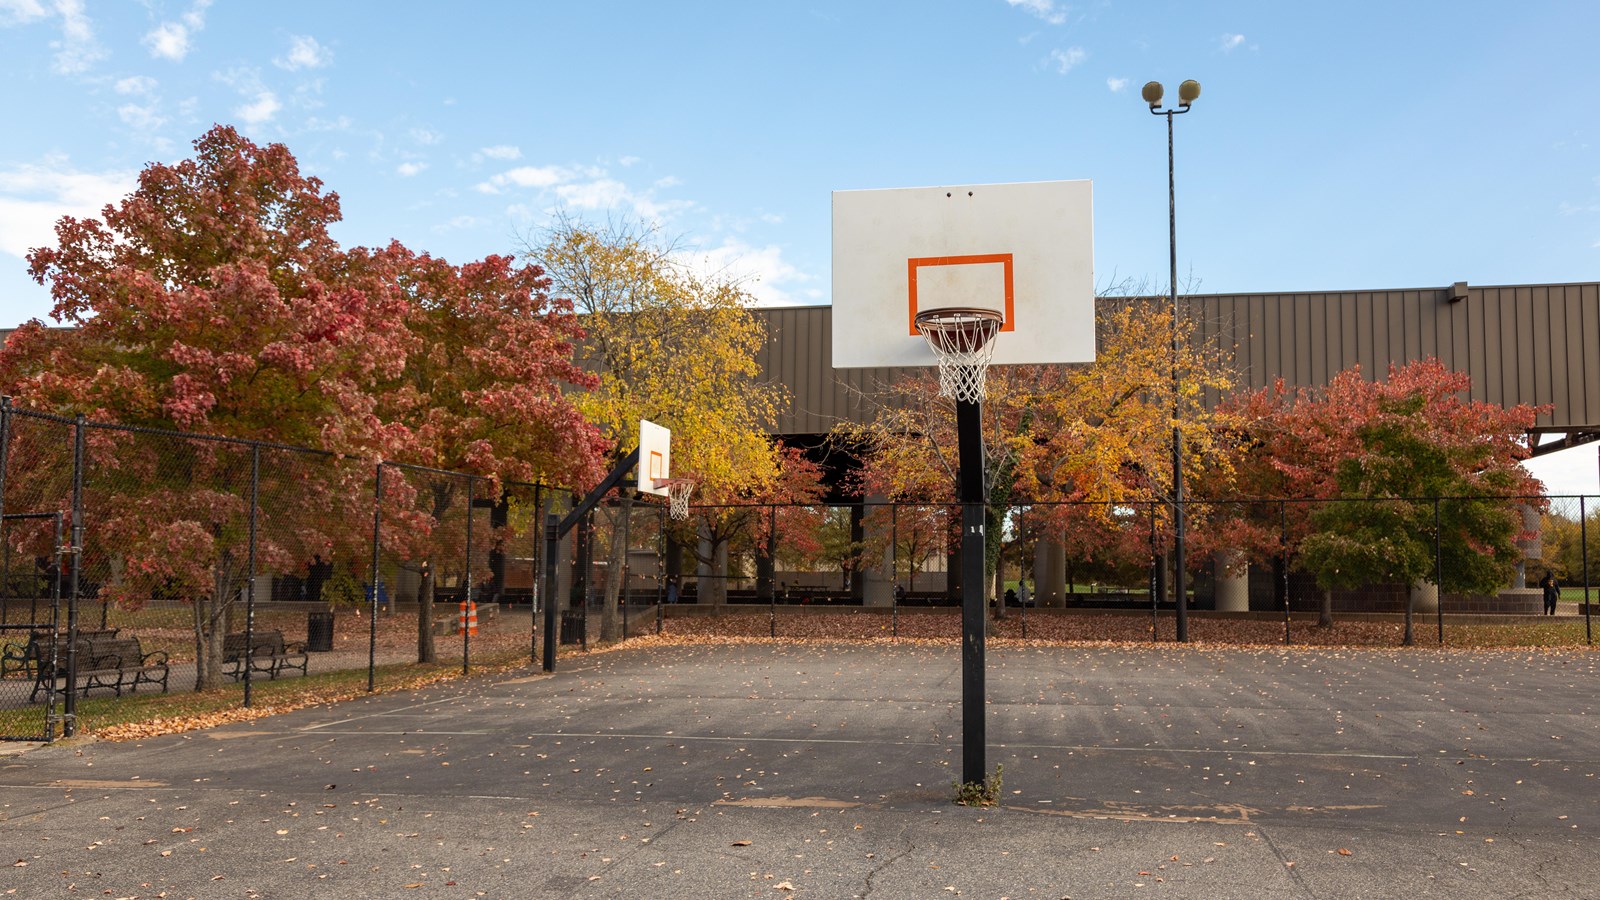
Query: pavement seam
(1288,864)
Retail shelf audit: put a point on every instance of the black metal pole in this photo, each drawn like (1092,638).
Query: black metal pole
(55,629)
(377,525)
(469,608)
(969,438)
(1438,566)
(1283,557)
(894,571)
(538,575)
(250,585)
(1156,564)
(772,560)
(1178,587)
(75,554)
(1583,541)
(552,550)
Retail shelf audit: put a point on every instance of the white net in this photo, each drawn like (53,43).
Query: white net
(962,341)
(678,493)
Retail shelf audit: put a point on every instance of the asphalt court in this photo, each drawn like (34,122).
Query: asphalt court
(827,770)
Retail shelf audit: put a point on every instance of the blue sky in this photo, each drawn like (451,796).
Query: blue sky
(1335,146)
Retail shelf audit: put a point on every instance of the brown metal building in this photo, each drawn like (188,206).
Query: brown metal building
(1536,344)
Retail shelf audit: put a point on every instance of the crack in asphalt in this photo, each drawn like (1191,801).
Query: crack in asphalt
(886,863)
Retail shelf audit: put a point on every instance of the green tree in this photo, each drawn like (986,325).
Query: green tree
(1417,453)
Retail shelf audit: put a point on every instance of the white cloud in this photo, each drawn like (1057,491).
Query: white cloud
(174,40)
(262,108)
(304,53)
(410,169)
(601,193)
(19,12)
(135,85)
(458,223)
(169,40)
(1044,9)
(1117,85)
(762,271)
(77,50)
(141,118)
(527,177)
(627,161)
(586,188)
(501,151)
(426,136)
(33,197)
(1231,41)
(1066,60)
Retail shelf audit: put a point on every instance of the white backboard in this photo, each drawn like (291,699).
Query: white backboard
(655,457)
(1026,250)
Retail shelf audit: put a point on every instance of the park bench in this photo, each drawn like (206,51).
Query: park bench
(268,654)
(25,657)
(104,661)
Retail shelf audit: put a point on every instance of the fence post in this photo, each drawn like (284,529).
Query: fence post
(1283,557)
(661,565)
(1438,567)
(467,610)
(1155,580)
(894,570)
(538,573)
(772,556)
(5,457)
(75,554)
(250,583)
(1583,542)
(552,537)
(372,628)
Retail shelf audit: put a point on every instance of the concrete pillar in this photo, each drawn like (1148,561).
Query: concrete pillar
(878,573)
(1424,597)
(1049,573)
(1232,581)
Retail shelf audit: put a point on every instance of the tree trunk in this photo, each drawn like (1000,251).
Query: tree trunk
(616,570)
(425,651)
(1325,614)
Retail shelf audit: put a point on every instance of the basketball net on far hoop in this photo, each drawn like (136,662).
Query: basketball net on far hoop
(962,340)
(678,493)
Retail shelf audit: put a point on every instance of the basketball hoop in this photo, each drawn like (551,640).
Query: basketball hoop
(962,340)
(678,492)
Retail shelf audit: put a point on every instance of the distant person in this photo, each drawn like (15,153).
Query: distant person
(1011,597)
(899,593)
(317,575)
(1025,595)
(497,571)
(1552,592)
(672,590)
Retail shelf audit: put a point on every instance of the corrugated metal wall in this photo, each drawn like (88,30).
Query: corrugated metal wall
(1532,344)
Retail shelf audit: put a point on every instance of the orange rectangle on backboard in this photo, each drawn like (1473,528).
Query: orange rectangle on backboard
(1008,305)
(657,469)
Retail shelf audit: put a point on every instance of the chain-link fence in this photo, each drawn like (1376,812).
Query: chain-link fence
(140,562)
(137,563)
(888,568)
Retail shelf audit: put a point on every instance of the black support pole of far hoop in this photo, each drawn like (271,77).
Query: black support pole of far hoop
(556,528)
(969,440)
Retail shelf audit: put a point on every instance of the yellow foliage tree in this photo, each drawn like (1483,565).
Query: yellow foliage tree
(1094,436)
(671,345)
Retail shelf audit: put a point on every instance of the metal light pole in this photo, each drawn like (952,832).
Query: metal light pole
(1188,92)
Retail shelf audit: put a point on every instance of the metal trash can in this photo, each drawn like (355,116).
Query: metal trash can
(572,627)
(319,632)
